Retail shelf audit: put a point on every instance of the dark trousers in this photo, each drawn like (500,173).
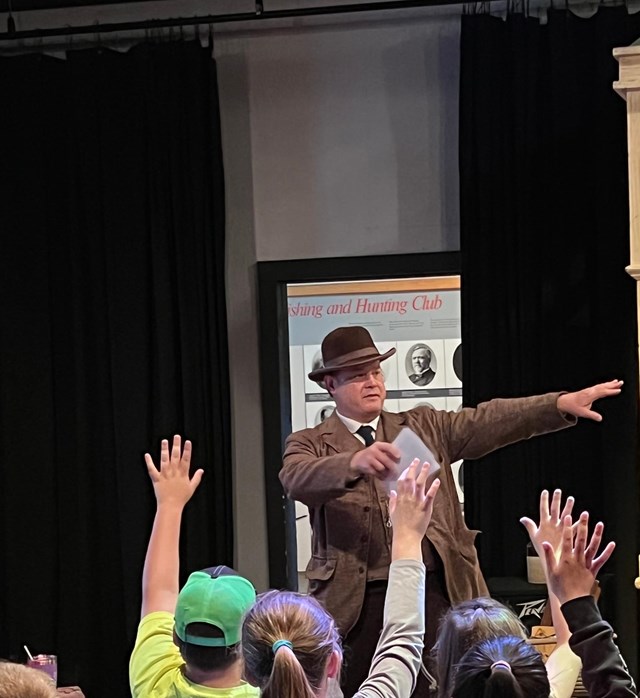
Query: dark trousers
(360,643)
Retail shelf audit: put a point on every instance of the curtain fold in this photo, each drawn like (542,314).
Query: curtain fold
(546,303)
(114,336)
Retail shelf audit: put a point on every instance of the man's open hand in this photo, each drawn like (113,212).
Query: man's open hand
(579,403)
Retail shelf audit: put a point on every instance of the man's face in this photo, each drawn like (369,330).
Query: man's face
(359,392)
(420,360)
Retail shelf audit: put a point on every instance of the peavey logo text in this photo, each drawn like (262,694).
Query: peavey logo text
(532,608)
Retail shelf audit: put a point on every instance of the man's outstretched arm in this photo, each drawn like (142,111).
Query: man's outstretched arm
(173,489)
(472,433)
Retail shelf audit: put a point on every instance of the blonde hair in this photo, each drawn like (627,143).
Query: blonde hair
(19,681)
(298,671)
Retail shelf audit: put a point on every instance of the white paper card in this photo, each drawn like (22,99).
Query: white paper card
(412,446)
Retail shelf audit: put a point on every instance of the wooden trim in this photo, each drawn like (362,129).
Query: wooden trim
(629,70)
(634,271)
(436,283)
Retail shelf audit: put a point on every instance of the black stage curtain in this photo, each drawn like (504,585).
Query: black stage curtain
(113,336)
(546,303)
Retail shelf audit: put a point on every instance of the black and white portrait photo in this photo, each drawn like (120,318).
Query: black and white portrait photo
(457,362)
(317,363)
(323,413)
(420,364)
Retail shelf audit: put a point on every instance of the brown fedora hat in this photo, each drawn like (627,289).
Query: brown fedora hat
(347,347)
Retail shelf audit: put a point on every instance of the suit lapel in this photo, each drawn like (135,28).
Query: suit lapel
(391,423)
(336,436)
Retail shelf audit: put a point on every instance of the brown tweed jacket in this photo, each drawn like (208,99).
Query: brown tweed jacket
(316,472)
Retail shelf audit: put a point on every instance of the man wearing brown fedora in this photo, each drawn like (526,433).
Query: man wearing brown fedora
(338,469)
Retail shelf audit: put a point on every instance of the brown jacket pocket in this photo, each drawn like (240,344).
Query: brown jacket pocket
(320,569)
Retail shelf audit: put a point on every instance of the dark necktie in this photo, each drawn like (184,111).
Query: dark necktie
(367,433)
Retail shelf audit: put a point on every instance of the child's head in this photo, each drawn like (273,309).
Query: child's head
(290,645)
(18,681)
(504,667)
(465,625)
(208,618)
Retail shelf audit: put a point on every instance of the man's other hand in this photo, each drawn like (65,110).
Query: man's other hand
(379,460)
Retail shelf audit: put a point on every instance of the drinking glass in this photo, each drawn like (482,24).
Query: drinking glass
(48,663)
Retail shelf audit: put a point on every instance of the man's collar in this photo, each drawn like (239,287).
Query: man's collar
(353,425)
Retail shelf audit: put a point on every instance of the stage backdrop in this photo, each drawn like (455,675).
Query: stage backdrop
(113,336)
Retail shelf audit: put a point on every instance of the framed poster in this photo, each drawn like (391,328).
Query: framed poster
(405,301)
(418,317)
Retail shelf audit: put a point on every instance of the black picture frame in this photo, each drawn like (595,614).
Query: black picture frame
(273,278)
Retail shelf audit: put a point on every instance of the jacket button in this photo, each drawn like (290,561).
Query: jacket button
(363,538)
(367,508)
(361,570)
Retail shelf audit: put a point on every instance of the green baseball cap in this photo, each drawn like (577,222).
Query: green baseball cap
(220,600)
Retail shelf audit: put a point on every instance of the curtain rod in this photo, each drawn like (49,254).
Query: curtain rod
(259,15)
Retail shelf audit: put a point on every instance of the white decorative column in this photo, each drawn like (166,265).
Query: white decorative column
(628,87)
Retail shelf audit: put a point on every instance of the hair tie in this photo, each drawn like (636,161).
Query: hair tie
(280,643)
(501,664)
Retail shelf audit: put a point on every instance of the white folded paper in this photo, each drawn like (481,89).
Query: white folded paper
(411,446)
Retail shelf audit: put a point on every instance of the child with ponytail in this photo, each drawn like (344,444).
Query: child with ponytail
(503,667)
